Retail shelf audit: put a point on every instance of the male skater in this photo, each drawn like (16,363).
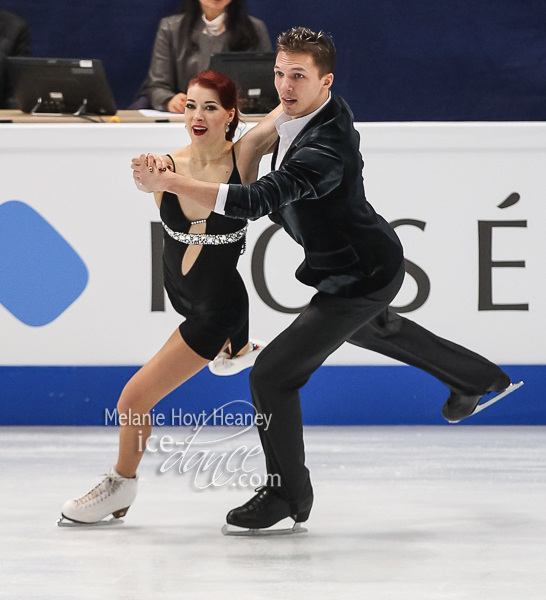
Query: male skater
(352,257)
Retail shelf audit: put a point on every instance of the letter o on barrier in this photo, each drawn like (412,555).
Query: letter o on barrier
(258,272)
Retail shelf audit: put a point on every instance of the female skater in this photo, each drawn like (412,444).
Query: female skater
(200,258)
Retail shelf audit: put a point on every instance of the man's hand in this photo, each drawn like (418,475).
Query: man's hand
(177,104)
(137,162)
(150,172)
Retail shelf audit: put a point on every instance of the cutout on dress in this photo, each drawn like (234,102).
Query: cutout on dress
(193,250)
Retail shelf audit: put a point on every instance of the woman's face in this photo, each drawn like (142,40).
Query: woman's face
(205,117)
(213,8)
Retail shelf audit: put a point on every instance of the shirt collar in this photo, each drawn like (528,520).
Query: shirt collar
(290,127)
(216,26)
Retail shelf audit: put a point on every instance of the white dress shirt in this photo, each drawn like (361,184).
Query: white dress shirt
(288,129)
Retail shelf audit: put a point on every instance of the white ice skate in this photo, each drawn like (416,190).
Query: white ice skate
(224,365)
(112,496)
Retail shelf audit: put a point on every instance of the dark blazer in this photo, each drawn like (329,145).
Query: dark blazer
(174,63)
(317,195)
(14,41)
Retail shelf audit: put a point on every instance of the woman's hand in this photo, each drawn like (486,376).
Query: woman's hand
(158,161)
(150,172)
(177,104)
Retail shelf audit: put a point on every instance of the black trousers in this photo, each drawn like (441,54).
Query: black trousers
(287,363)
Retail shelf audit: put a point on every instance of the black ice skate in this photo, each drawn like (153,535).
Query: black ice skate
(263,511)
(458,406)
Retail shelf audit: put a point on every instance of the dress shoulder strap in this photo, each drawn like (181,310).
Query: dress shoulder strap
(174,167)
(235,177)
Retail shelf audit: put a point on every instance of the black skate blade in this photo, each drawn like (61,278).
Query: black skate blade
(66,522)
(233,530)
(487,403)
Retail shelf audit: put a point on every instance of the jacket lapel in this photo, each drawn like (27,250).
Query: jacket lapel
(275,153)
(317,120)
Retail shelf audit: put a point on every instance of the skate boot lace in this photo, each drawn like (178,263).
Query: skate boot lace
(222,359)
(101,491)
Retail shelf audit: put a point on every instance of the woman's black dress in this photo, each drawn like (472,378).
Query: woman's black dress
(212,295)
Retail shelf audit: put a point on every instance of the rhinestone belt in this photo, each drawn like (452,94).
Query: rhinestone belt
(209,239)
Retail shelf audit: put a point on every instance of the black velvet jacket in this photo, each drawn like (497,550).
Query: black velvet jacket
(317,195)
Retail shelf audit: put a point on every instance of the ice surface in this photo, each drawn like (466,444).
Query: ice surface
(400,513)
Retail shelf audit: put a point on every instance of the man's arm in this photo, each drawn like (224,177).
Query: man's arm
(311,173)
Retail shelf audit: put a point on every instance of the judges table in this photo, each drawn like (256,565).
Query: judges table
(80,251)
(122,116)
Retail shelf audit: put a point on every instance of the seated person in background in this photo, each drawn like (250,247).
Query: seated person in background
(186,41)
(14,41)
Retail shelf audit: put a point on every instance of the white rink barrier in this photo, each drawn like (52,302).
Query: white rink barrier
(467,200)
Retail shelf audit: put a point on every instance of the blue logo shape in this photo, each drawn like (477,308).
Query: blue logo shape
(40,273)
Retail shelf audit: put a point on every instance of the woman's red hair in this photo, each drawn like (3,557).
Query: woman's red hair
(226,90)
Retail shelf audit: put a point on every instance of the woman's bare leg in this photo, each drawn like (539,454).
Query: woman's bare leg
(174,364)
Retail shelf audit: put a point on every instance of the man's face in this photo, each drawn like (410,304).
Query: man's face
(301,90)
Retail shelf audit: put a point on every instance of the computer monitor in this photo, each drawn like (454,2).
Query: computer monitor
(253,73)
(61,86)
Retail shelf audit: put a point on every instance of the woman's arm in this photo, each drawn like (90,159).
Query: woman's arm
(259,140)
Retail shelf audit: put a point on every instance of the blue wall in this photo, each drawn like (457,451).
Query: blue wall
(399,60)
(396,395)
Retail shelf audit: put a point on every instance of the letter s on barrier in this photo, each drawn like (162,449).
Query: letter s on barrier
(421,278)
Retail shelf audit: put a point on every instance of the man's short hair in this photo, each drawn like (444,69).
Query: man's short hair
(300,40)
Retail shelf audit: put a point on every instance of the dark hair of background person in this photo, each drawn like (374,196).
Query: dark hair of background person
(226,90)
(14,41)
(300,40)
(241,33)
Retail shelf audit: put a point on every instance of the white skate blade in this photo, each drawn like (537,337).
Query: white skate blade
(65,522)
(233,530)
(511,388)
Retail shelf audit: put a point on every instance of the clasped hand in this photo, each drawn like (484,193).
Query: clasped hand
(150,172)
